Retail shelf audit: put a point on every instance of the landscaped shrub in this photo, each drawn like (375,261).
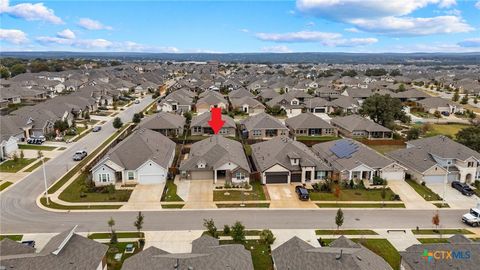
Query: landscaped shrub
(379,181)
(226,229)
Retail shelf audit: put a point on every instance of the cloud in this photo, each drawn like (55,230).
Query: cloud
(30,12)
(90,24)
(13,36)
(470,43)
(276,49)
(67,33)
(302,36)
(477,5)
(350,42)
(310,24)
(352,30)
(407,26)
(244,30)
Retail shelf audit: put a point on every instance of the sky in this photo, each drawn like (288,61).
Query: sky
(372,26)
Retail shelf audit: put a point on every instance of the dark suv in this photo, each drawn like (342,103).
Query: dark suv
(302,193)
(463,188)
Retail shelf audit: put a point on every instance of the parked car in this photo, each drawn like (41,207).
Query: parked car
(29,243)
(79,155)
(463,188)
(96,128)
(445,113)
(36,140)
(473,217)
(302,193)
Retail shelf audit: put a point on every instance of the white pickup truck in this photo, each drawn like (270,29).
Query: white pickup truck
(472,218)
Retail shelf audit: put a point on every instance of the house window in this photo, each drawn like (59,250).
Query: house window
(240,176)
(224,131)
(197,129)
(320,174)
(104,177)
(130,175)
(257,132)
(471,164)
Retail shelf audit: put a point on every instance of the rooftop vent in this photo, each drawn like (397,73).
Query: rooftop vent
(339,256)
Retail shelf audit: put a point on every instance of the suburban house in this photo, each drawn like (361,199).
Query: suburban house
(211,100)
(431,159)
(8,146)
(262,126)
(352,160)
(199,125)
(240,93)
(175,102)
(341,254)
(247,105)
(434,104)
(267,94)
(308,124)
(143,157)
(66,250)
(216,158)
(344,104)
(355,126)
(458,248)
(287,102)
(170,125)
(317,105)
(283,160)
(207,253)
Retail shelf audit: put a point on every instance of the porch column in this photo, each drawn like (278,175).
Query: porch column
(349,175)
(214,176)
(371,175)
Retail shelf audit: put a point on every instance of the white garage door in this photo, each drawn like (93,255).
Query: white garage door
(434,179)
(151,179)
(393,175)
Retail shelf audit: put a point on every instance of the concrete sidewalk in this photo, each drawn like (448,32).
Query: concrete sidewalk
(401,240)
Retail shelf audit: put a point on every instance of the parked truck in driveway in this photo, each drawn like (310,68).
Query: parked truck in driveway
(473,217)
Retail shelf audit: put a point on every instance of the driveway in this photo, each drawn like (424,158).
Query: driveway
(200,194)
(453,197)
(145,197)
(284,196)
(409,196)
(172,241)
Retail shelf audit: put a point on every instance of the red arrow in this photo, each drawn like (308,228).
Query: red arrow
(216,122)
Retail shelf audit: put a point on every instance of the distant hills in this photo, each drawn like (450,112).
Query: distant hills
(271,58)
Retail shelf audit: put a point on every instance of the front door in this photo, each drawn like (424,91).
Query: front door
(308,176)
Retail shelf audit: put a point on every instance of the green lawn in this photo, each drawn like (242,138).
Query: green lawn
(442,231)
(317,138)
(112,264)
(248,149)
(360,205)
(442,205)
(246,205)
(54,205)
(36,165)
(260,253)
(36,147)
(382,149)
(170,193)
(172,206)
(85,161)
(14,237)
(352,195)
(345,232)
(256,194)
(73,191)
(107,235)
(11,166)
(432,240)
(62,148)
(4,185)
(424,191)
(445,129)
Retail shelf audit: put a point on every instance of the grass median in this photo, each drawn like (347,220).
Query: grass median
(345,232)
(256,194)
(36,147)
(360,205)
(55,205)
(36,165)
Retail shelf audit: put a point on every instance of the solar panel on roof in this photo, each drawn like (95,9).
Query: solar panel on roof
(344,148)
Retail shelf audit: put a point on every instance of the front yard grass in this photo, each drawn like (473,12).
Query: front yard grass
(73,193)
(432,240)
(170,193)
(55,205)
(256,194)
(113,249)
(353,195)
(345,232)
(119,235)
(14,237)
(360,205)
(4,185)
(172,206)
(10,166)
(36,147)
(260,253)
(246,205)
(424,191)
(442,205)
(441,231)
(36,165)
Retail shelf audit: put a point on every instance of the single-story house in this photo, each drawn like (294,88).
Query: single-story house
(434,104)
(207,254)
(262,126)
(308,124)
(356,126)
(317,105)
(216,158)
(169,124)
(352,160)
(344,104)
(66,250)
(283,160)
(341,254)
(240,93)
(247,105)
(8,146)
(288,102)
(143,157)
(200,126)
(211,100)
(175,102)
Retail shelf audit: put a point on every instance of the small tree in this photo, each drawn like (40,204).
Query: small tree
(15,157)
(188,117)
(136,118)
(113,238)
(383,194)
(87,115)
(339,218)
(139,222)
(413,133)
(266,236)
(226,229)
(464,99)
(22,155)
(238,232)
(111,223)
(436,221)
(336,192)
(117,123)
(209,224)
(455,96)
(475,100)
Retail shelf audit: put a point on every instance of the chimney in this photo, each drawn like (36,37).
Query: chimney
(339,256)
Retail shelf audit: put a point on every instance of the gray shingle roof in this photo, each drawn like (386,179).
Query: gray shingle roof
(413,158)
(279,150)
(10,247)
(202,120)
(163,120)
(356,122)
(445,147)
(307,120)
(262,121)
(238,102)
